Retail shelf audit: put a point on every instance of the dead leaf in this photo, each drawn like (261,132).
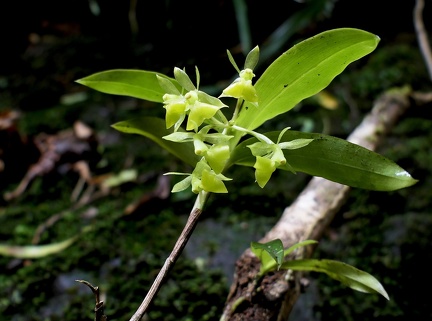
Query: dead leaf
(66,150)
(161,191)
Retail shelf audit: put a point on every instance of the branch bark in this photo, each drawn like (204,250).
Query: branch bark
(307,218)
(172,258)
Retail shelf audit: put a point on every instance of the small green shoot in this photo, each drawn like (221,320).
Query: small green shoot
(271,255)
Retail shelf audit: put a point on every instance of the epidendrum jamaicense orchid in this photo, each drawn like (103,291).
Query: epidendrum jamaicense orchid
(212,143)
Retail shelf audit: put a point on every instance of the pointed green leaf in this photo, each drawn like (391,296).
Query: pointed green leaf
(346,274)
(305,70)
(298,245)
(274,248)
(133,83)
(335,159)
(268,263)
(154,128)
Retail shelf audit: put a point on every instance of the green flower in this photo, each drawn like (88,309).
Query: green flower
(213,146)
(203,178)
(264,168)
(270,156)
(195,104)
(217,156)
(175,106)
(199,112)
(242,87)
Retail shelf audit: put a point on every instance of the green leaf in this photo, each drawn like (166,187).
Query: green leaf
(346,274)
(268,262)
(134,83)
(305,70)
(273,248)
(154,128)
(335,159)
(298,245)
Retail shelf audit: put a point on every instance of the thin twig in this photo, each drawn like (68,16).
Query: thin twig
(99,306)
(422,36)
(170,261)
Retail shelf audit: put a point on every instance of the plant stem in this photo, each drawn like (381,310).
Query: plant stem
(172,258)
(259,136)
(239,105)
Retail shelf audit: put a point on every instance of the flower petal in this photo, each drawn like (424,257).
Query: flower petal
(211,183)
(217,157)
(198,113)
(182,185)
(264,168)
(174,111)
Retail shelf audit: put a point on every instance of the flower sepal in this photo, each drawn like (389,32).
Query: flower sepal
(203,178)
(242,87)
(264,168)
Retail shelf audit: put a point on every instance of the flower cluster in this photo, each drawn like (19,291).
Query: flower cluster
(210,132)
(212,146)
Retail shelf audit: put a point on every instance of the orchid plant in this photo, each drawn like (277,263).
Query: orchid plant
(213,134)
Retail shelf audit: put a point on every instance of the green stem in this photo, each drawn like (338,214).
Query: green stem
(217,123)
(237,109)
(259,136)
(222,116)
